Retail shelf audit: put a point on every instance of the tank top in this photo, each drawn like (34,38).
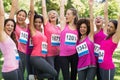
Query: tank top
(52,33)
(22,38)
(39,45)
(105,55)
(68,40)
(85,50)
(10,55)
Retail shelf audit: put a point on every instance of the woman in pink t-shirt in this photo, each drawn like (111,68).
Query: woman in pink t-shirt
(52,32)
(42,68)
(21,36)
(10,68)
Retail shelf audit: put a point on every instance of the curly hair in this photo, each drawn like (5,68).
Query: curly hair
(80,22)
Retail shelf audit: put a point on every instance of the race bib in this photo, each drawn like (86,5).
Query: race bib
(70,39)
(55,40)
(30,43)
(96,49)
(23,37)
(101,56)
(82,49)
(44,48)
(17,57)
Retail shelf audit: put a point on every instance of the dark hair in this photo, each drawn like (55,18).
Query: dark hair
(7,20)
(80,22)
(115,23)
(22,11)
(74,12)
(34,12)
(38,16)
(12,34)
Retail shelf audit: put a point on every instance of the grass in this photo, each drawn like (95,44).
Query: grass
(116,58)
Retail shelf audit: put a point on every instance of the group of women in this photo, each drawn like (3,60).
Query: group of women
(43,51)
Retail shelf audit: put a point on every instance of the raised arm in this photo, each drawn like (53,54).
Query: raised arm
(31,27)
(44,11)
(1,17)
(13,8)
(106,15)
(62,17)
(116,36)
(91,19)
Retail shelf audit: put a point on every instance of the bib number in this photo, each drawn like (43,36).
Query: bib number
(70,39)
(44,48)
(55,39)
(30,43)
(23,37)
(17,55)
(96,49)
(101,56)
(82,49)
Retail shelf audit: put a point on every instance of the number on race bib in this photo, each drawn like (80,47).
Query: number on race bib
(17,55)
(44,48)
(30,43)
(101,56)
(55,40)
(23,37)
(96,49)
(70,39)
(82,49)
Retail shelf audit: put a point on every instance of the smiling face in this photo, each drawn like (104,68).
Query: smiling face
(111,28)
(21,17)
(53,16)
(9,27)
(38,23)
(99,21)
(83,29)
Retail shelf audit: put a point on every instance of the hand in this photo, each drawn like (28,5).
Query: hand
(31,77)
(90,2)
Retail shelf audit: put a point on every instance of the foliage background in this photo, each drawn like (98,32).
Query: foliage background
(80,5)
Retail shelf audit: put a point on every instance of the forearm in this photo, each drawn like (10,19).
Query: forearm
(62,18)
(13,8)
(44,11)
(1,16)
(106,13)
(91,18)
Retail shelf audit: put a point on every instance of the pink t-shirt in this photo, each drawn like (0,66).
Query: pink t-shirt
(85,50)
(39,45)
(52,33)
(68,40)
(10,55)
(98,38)
(107,48)
(22,38)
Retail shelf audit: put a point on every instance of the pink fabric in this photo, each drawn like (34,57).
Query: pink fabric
(49,30)
(37,40)
(9,49)
(67,50)
(29,48)
(108,46)
(21,46)
(89,58)
(98,37)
